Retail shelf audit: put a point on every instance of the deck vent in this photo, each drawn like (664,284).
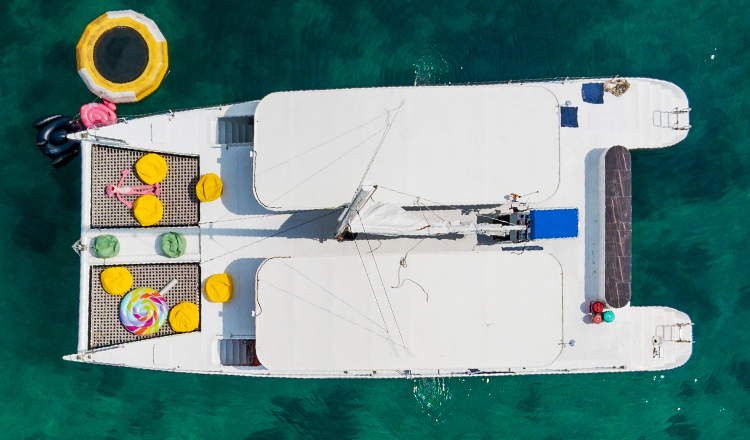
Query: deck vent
(235,130)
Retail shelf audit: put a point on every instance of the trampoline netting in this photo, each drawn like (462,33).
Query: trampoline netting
(121,54)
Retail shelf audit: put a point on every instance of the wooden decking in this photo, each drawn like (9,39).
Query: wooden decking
(618,226)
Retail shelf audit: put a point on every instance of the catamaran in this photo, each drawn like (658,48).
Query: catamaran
(387,232)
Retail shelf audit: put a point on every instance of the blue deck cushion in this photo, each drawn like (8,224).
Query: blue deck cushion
(569,117)
(554,223)
(593,93)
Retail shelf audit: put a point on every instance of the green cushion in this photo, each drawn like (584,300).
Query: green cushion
(106,246)
(173,244)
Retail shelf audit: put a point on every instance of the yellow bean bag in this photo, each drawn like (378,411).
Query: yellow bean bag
(148,210)
(209,188)
(184,317)
(219,288)
(151,168)
(116,280)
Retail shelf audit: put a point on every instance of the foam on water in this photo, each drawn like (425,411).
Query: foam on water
(432,394)
(430,70)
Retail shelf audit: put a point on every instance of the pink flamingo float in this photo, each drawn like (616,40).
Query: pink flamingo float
(95,114)
(119,190)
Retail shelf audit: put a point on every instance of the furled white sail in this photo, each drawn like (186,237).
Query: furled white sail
(379,218)
(365,215)
(385,219)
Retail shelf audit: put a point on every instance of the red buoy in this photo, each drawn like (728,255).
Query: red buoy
(597,307)
(596,318)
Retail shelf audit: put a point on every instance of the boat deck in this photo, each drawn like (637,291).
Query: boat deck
(236,234)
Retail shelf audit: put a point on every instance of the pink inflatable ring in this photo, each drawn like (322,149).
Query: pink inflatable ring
(95,114)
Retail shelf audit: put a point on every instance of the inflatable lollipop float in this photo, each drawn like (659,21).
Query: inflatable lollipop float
(144,311)
(122,57)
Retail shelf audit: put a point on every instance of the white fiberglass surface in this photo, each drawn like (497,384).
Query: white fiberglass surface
(452,145)
(447,310)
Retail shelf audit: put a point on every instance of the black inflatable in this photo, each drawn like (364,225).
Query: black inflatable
(52,138)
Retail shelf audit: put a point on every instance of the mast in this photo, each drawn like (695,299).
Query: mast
(362,196)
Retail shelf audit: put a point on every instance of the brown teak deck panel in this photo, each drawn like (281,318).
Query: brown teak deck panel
(105,328)
(177,190)
(618,226)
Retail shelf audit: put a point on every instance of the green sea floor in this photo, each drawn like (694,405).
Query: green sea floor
(690,209)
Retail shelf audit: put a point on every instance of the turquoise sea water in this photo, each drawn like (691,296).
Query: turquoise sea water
(690,208)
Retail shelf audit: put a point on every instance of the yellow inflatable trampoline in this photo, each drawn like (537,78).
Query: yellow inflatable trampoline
(122,56)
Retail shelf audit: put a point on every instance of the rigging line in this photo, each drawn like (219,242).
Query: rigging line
(330,164)
(257,301)
(416,202)
(334,314)
(402,264)
(443,204)
(380,144)
(418,285)
(332,211)
(329,140)
(380,243)
(332,294)
(382,283)
(373,291)
(403,260)
(420,205)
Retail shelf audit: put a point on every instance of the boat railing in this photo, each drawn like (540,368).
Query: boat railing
(90,135)
(126,118)
(560,79)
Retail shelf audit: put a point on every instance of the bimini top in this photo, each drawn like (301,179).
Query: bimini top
(459,310)
(468,145)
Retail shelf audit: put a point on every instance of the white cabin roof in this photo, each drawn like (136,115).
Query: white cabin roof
(313,148)
(477,310)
